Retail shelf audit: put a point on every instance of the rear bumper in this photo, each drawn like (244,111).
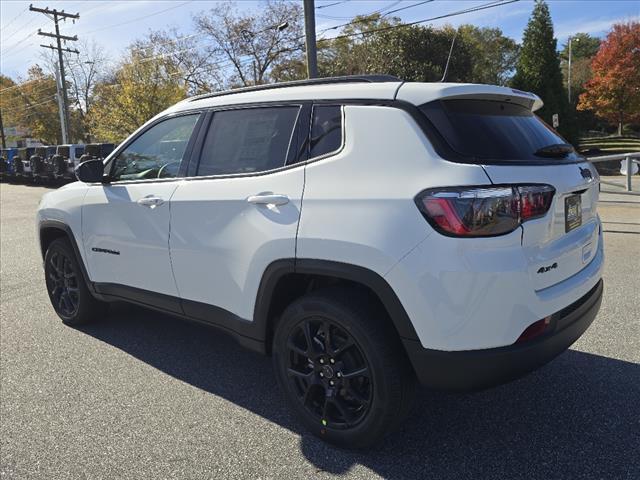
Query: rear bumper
(477,369)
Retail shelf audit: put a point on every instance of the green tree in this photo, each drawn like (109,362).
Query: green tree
(494,56)
(538,69)
(583,45)
(413,53)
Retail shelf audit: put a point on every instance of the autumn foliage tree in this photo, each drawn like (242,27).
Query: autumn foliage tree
(31,105)
(614,91)
(140,88)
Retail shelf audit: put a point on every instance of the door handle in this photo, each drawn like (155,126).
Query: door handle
(268,199)
(151,201)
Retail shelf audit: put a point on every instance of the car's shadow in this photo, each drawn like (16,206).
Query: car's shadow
(578,417)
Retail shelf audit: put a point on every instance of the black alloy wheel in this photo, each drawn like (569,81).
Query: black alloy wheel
(62,284)
(342,368)
(329,373)
(66,286)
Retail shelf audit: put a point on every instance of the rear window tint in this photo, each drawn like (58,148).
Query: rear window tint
(248,140)
(326,130)
(492,130)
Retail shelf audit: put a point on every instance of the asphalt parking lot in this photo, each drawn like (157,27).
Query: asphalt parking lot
(142,395)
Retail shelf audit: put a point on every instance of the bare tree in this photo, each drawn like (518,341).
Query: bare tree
(183,57)
(85,71)
(245,47)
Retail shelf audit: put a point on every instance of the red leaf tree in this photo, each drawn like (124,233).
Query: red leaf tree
(614,91)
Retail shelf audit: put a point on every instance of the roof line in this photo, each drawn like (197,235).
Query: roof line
(300,83)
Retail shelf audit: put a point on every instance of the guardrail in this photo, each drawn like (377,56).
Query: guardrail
(630,158)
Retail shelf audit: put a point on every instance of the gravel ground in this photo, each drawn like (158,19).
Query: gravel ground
(142,395)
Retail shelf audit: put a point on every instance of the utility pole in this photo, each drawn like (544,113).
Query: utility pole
(55,15)
(569,73)
(310,33)
(4,140)
(65,139)
(569,69)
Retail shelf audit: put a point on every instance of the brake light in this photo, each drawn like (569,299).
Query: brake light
(535,200)
(483,211)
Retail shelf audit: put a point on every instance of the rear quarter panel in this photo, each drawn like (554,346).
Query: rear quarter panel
(358,205)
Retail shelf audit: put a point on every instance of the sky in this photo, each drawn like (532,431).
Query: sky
(116,24)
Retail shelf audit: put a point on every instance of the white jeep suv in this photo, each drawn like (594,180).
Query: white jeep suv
(363,231)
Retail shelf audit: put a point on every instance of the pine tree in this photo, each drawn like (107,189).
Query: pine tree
(538,69)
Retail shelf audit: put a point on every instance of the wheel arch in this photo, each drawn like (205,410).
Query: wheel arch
(50,230)
(286,280)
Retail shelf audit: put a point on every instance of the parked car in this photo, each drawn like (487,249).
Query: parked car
(66,159)
(94,151)
(41,162)
(9,154)
(21,163)
(4,163)
(363,231)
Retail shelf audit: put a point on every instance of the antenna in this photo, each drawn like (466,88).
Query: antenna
(446,67)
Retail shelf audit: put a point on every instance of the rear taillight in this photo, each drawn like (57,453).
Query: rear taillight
(483,211)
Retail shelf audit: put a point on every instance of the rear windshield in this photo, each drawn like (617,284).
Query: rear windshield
(64,151)
(493,130)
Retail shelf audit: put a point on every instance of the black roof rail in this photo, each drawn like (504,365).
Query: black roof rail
(299,83)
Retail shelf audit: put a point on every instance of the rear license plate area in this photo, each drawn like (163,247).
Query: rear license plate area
(572,212)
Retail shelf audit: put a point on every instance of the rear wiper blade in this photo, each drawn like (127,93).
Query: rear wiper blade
(554,150)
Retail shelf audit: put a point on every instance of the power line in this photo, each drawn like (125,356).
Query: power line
(407,7)
(135,19)
(353,22)
(20,27)
(319,7)
(15,18)
(12,46)
(19,85)
(30,106)
(377,10)
(417,22)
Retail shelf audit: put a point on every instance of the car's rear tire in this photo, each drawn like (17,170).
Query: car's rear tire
(373,383)
(68,292)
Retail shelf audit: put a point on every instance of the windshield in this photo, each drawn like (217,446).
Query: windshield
(64,151)
(494,130)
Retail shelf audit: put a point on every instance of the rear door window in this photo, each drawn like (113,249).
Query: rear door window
(248,140)
(493,130)
(326,130)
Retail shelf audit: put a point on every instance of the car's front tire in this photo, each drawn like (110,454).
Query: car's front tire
(68,292)
(341,365)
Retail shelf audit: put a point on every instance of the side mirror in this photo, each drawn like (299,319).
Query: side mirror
(91,171)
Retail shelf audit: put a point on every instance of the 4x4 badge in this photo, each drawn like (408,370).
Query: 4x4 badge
(546,269)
